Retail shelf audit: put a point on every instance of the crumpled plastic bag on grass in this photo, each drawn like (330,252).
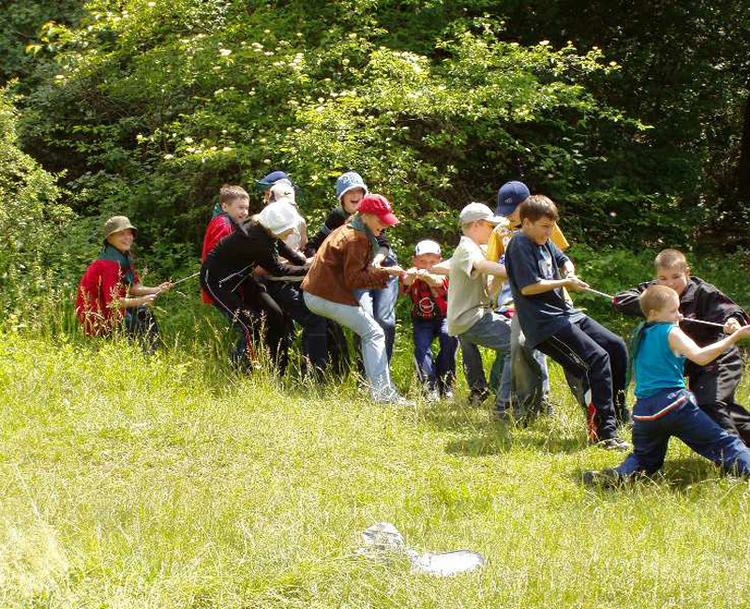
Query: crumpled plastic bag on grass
(383,538)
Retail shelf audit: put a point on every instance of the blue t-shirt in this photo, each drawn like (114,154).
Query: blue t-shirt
(655,365)
(527,263)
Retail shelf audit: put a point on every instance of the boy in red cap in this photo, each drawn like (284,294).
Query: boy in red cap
(343,264)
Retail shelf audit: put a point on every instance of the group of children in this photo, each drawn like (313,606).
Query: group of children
(506,287)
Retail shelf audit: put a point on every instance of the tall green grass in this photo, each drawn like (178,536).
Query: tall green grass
(171,481)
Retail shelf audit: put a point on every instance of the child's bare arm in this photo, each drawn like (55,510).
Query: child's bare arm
(684,345)
(442,268)
(490,268)
(547,285)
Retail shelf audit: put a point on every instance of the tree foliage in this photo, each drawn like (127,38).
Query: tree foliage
(31,220)
(150,105)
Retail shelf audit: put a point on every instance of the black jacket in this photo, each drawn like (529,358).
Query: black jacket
(700,300)
(249,246)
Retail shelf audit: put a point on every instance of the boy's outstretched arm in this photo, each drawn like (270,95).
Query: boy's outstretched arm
(627,302)
(682,344)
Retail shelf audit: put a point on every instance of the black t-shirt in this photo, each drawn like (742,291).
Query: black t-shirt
(540,315)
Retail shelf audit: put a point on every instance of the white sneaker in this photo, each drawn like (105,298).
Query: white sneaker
(397,400)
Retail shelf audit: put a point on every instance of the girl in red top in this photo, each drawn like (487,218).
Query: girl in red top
(111,291)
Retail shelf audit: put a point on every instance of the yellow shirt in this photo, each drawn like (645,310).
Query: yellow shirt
(502,234)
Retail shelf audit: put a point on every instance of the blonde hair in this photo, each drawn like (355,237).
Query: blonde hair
(671,259)
(231,192)
(656,297)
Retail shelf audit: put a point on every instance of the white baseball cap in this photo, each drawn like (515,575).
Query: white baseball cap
(278,217)
(427,246)
(283,189)
(479,211)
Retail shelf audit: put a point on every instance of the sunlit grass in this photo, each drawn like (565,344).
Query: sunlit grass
(171,481)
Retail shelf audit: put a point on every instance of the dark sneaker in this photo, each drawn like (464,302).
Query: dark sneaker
(477,396)
(501,415)
(613,443)
(605,477)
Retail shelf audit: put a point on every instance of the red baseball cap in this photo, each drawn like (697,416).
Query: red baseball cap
(378,205)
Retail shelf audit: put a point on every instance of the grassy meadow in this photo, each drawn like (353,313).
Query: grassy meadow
(171,482)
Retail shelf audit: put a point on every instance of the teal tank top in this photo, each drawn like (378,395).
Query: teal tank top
(655,364)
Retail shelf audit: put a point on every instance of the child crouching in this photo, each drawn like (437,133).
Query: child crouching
(429,295)
(664,406)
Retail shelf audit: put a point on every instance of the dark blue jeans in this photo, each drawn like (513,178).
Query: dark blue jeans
(141,326)
(439,375)
(673,412)
(315,336)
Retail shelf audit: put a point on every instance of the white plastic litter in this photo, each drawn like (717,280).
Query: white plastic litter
(383,539)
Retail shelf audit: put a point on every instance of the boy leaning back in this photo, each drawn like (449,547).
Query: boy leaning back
(429,296)
(538,271)
(470,314)
(664,407)
(713,385)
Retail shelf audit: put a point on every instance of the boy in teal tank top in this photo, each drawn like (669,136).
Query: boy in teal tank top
(664,407)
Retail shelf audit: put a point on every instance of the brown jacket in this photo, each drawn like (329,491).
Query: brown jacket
(342,265)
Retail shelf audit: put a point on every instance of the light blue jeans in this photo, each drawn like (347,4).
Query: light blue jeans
(381,304)
(373,342)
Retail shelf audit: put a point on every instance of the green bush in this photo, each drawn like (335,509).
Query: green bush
(32,223)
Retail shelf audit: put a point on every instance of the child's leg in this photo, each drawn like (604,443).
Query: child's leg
(696,429)
(493,331)
(230,304)
(618,362)
(373,342)
(526,373)
(141,326)
(473,368)
(579,354)
(315,337)
(714,388)
(446,361)
(423,335)
(650,438)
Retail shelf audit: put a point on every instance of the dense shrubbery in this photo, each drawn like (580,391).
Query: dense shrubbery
(31,227)
(155,106)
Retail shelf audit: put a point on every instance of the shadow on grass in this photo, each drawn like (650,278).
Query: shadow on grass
(677,475)
(499,438)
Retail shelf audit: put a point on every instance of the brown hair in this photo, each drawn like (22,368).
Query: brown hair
(655,298)
(536,207)
(230,192)
(670,259)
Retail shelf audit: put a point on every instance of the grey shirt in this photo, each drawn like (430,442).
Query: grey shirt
(468,298)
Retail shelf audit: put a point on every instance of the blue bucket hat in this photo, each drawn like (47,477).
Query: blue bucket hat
(272,178)
(510,196)
(349,181)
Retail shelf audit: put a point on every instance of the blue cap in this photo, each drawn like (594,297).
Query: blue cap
(349,181)
(510,196)
(272,178)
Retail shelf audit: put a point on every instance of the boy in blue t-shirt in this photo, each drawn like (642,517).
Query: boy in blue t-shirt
(538,271)
(665,407)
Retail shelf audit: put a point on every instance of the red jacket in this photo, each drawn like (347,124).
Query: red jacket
(100,285)
(221,226)
(428,302)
